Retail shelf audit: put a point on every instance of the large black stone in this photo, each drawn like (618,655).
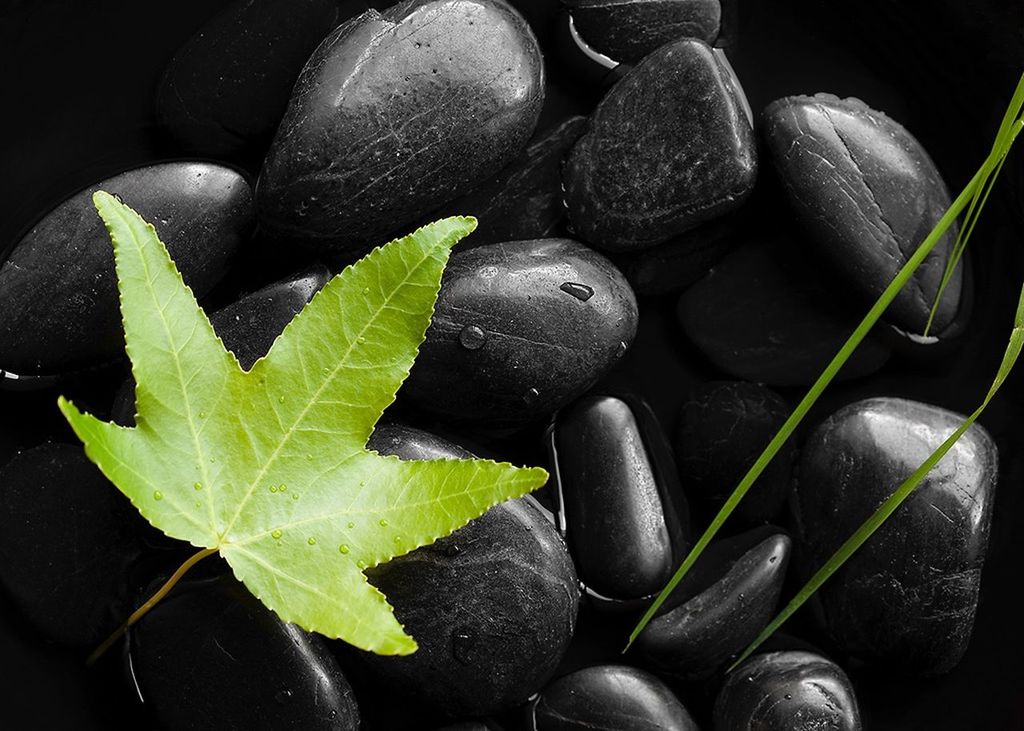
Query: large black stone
(669,147)
(719,607)
(492,606)
(58,288)
(211,656)
(868,194)
(625,514)
(723,428)
(67,544)
(906,600)
(397,113)
(763,315)
(787,691)
(610,697)
(524,201)
(521,329)
(226,89)
(627,31)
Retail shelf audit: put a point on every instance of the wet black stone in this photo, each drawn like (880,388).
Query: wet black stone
(719,607)
(525,200)
(58,289)
(868,194)
(610,697)
(521,329)
(492,606)
(723,428)
(668,148)
(247,327)
(227,88)
(397,113)
(787,691)
(627,521)
(763,315)
(906,600)
(67,544)
(210,655)
(628,31)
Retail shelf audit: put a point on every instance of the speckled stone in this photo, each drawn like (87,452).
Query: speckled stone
(868,194)
(787,691)
(396,113)
(669,147)
(906,600)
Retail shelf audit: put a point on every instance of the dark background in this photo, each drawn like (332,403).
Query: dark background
(76,85)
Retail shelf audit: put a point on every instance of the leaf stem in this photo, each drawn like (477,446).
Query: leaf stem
(150,603)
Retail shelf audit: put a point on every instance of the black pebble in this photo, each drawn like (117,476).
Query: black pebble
(906,600)
(668,148)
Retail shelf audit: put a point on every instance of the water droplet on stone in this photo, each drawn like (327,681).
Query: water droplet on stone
(580,291)
(472,337)
(283,696)
(275,534)
(343,548)
(332,715)
(462,646)
(773,559)
(621,350)
(452,550)
(311,541)
(157,495)
(531,396)
(197,486)
(788,697)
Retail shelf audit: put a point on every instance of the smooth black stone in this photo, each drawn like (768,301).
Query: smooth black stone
(626,520)
(610,697)
(227,88)
(906,600)
(58,288)
(723,428)
(787,691)
(525,200)
(211,656)
(628,31)
(247,327)
(761,315)
(397,113)
(868,194)
(492,606)
(67,544)
(711,617)
(668,148)
(671,267)
(521,329)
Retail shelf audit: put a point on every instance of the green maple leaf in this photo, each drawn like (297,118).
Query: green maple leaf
(269,466)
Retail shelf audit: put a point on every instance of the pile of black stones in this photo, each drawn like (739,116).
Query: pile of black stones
(668,254)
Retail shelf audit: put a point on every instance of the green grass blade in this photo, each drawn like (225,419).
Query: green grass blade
(886,509)
(971,192)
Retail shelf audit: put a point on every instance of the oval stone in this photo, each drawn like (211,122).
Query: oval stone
(210,655)
(762,314)
(906,600)
(627,31)
(67,544)
(787,691)
(669,147)
(58,288)
(723,428)
(492,606)
(610,697)
(868,194)
(520,329)
(226,89)
(719,607)
(624,512)
(397,113)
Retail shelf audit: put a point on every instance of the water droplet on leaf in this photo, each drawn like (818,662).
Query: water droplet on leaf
(343,548)
(383,523)
(275,534)
(197,486)
(157,495)
(311,541)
